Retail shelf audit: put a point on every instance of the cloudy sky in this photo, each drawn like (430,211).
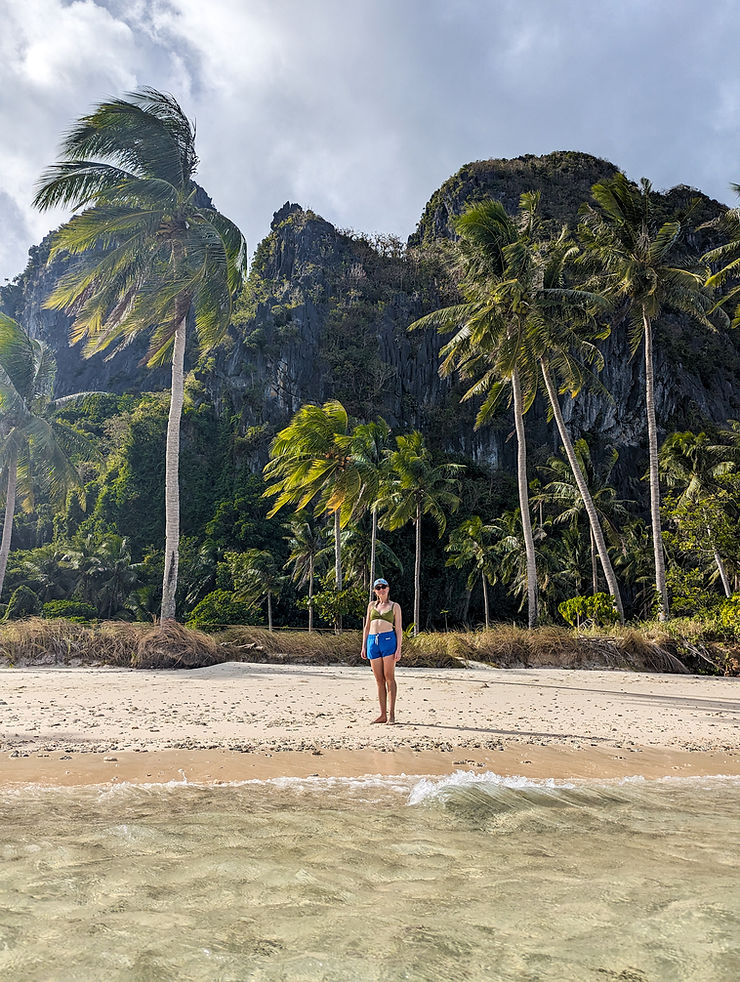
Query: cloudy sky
(360,109)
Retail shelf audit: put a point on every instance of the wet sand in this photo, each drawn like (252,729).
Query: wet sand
(238,722)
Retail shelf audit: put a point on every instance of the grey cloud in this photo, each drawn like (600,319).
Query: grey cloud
(360,110)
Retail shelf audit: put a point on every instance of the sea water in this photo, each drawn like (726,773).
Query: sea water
(462,878)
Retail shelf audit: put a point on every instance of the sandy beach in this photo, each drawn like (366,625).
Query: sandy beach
(235,721)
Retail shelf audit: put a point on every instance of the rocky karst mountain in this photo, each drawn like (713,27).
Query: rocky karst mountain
(325,314)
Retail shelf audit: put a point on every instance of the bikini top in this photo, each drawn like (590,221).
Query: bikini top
(389,615)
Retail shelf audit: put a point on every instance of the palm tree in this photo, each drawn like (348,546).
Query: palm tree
(256,575)
(307,548)
(690,463)
(563,492)
(35,446)
(419,488)
(311,461)
(149,253)
(518,327)
(369,444)
(470,546)
(634,252)
(510,560)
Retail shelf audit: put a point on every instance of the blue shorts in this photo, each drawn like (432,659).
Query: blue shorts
(381,645)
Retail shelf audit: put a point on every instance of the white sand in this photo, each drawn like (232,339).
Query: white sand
(277,707)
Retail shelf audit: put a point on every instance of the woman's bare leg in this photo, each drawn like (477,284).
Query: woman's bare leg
(377,665)
(389,673)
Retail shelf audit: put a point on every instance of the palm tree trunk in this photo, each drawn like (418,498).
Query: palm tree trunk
(417,570)
(310,594)
(373,540)
(660,581)
(485,600)
(337,566)
(720,567)
(588,501)
(521,460)
(172,480)
(594,564)
(466,609)
(9,513)
(269,610)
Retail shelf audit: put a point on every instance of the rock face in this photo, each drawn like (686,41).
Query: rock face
(325,315)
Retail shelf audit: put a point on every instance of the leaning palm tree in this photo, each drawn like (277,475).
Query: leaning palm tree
(149,254)
(637,260)
(692,465)
(419,487)
(563,493)
(36,448)
(521,325)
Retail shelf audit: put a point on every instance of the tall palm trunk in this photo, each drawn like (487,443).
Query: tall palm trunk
(9,513)
(417,570)
(337,566)
(172,481)
(521,461)
(485,600)
(373,540)
(310,594)
(594,564)
(717,559)
(588,501)
(660,581)
(269,610)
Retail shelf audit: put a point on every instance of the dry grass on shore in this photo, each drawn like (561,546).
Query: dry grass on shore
(680,646)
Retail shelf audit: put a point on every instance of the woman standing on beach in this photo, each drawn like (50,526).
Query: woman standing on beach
(381,643)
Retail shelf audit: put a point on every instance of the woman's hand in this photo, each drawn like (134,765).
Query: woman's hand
(398,656)
(363,654)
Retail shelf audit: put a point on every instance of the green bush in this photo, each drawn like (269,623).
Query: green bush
(23,603)
(70,610)
(219,608)
(598,609)
(729,612)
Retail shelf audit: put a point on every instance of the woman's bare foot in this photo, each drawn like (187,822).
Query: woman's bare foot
(380,719)
(392,720)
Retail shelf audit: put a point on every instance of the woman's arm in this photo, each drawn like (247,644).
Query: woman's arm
(399,630)
(365,632)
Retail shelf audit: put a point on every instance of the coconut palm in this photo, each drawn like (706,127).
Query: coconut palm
(418,487)
(148,253)
(637,259)
(256,576)
(36,448)
(563,493)
(470,547)
(518,328)
(357,543)
(369,444)
(307,543)
(311,462)
(691,464)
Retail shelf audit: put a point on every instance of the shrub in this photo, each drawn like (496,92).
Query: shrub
(598,609)
(23,603)
(71,610)
(729,612)
(219,608)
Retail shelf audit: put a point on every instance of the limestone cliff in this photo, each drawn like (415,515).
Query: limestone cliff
(325,315)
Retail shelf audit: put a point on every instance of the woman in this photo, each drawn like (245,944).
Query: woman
(381,643)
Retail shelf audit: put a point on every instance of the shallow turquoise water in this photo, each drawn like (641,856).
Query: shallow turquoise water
(466,878)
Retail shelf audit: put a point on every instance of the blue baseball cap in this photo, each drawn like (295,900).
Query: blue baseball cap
(380,582)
